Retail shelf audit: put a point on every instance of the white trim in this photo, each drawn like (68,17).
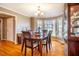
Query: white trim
(1,25)
(15,30)
(12,10)
(15,23)
(61,41)
(7,13)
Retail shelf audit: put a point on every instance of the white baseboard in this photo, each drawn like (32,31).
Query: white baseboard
(62,41)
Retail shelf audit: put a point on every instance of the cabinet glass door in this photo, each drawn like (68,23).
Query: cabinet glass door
(74,18)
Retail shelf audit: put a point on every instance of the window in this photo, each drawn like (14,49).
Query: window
(56,25)
(45,24)
(48,24)
(65,29)
(59,27)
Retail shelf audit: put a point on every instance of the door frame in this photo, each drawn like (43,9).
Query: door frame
(15,20)
(1,28)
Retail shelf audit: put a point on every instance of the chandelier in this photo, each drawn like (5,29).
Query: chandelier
(39,12)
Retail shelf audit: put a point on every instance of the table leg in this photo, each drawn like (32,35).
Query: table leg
(40,47)
(22,45)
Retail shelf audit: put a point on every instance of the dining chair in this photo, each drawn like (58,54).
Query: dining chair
(49,39)
(45,41)
(45,32)
(28,42)
(22,37)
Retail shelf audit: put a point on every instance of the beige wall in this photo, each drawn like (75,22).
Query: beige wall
(33,23)
(21,20)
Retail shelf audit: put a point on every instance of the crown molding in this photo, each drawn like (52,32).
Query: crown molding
(13,11)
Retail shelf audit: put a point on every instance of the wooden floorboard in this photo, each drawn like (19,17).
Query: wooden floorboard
(8,48)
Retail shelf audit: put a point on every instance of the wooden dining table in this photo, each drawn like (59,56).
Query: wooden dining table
(38,38)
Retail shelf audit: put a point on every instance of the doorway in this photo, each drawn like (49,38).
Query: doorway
(7,27)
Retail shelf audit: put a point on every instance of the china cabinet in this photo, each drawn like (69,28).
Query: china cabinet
(73,29)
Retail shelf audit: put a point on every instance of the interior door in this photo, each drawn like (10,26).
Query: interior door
(10,29)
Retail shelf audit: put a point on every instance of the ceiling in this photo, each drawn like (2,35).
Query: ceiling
(29,9)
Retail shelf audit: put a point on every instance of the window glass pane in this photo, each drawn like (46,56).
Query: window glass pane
(65,29)
(48,24)
(39,24)
(53,30)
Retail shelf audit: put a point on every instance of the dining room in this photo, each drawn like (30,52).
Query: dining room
(40,30)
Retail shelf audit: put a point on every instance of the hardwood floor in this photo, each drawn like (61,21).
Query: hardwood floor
(8,48)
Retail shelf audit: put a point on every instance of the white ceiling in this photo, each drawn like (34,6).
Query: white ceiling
(29,9)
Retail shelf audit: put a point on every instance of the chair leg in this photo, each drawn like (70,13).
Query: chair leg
(32,51)
(25,49)
(22,46)
(46,48)
(38,47)
(49,45)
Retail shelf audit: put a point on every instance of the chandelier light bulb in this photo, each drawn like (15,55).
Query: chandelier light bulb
(39,12)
